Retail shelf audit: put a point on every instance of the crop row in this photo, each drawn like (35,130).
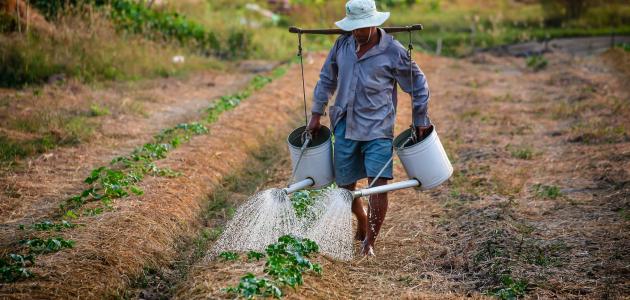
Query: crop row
(119,179)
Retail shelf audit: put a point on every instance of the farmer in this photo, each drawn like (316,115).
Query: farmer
(364,69)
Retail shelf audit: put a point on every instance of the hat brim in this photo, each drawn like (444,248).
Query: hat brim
(376,20)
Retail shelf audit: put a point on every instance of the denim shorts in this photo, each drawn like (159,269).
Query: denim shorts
(355,160)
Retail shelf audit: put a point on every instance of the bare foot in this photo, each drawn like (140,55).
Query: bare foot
(367,249)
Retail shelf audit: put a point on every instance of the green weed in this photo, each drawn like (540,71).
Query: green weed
(547,191)
(523,153)
(97,110)
(536,62)
(598,132)
(11,149)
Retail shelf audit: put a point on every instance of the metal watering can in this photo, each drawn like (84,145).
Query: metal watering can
(311,159)
(425,162)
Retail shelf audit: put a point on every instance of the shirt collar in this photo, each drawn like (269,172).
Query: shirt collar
(386,39)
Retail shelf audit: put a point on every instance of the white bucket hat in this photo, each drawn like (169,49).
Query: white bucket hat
(361,14)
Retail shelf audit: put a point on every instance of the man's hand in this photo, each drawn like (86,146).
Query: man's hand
(422,131)
(314,124)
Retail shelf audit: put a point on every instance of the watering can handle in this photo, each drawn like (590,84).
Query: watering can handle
(414,27)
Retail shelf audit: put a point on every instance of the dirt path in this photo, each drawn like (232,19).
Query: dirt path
(37,189)
(537,206)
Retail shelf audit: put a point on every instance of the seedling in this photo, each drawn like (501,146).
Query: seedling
(14,267)
(50,225)
(251,255)
(251,286)
(511,288)
(301,201)
(286,261)
(50,245)
(229,256)
(223,104)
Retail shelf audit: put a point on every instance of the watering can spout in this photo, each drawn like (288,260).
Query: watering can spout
(300,185)
(386,188)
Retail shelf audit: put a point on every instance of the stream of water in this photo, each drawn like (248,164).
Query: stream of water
(269,214)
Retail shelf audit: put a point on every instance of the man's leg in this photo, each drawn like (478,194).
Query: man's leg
(359,212)
(377,210)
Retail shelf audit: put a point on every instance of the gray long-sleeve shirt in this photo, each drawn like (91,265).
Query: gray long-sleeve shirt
(366,87)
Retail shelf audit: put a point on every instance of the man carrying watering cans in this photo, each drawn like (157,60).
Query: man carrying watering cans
(364,69)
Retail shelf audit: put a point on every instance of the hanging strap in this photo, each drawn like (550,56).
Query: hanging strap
(413,124)
(303,84)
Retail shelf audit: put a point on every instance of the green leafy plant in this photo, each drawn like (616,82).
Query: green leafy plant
(14,267)
(50,225)
(50,245)
(511,288)
(301,201)
(286,261)
(251,255)
(223,104)
(304,199)
(251,286)
(228,255)
(260,81)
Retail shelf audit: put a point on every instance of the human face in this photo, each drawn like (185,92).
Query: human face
(363,35)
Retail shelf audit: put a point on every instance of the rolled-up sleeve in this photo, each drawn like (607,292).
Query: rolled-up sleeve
(327,83)
(420,94)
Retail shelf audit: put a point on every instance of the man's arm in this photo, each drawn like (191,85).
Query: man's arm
(420,94)
(324,89)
